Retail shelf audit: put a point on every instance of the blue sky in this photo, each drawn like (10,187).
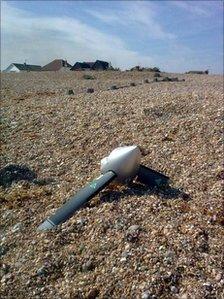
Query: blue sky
(173,35)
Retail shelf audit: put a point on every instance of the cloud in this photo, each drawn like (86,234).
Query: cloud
(192,7)
(39,39)
(140,16)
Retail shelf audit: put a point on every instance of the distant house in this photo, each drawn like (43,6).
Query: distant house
(22,67)
(153,69)
(81,66)
(198,72)
(97,65)
(57,65)
(100,65)
(136,68)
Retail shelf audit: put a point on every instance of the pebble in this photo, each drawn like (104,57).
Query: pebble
(17,227)
(3,239)
(28,282)
(174,289)
(70,91)
(90,90)
(146,295)
(125,254)
(133,228)
(3,250)
(218,277)
(221,282)
(18,264)
(81,222)
(208,286)
(132,233)
(7,215)
(169,256)
(81,248)
(88,266)
(6,277)
(93,294)
(42,271)
(5,269)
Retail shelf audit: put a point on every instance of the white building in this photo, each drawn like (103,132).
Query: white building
(19,67)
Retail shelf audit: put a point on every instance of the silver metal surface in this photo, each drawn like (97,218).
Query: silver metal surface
(124,161)
(46,225)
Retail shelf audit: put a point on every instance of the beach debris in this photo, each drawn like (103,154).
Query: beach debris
(70,92)
(90,90)
(122,166)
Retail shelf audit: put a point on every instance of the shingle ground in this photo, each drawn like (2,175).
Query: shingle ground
(177,247)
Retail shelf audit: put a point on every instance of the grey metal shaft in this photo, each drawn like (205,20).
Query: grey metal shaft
(77,201)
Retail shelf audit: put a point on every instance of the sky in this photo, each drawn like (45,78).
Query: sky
(175,36)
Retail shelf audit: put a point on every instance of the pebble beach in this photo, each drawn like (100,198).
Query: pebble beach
(128,241)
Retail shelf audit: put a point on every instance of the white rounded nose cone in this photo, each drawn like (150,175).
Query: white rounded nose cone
(124,161)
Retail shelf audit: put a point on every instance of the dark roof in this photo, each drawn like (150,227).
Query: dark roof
(56,65)
(82,65)
(99,64)
(27,67)
(89,63)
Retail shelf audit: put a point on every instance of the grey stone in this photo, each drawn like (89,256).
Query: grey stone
(146,295)
(70,91)
(81,222)
(174,289)
(17,227)
(6,277)
(169,255)
(5,269)
(7,215)
(218,277)
(133,228)
(208,286)
(88,266)
(3,249)
(132,233)
(42,271)
(90,90)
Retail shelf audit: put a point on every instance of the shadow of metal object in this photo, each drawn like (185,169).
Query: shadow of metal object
(140,190)
(148,182)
